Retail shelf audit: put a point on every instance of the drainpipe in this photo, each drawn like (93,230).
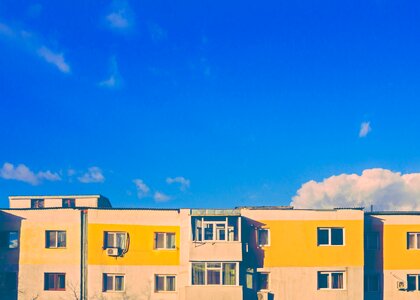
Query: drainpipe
(83,249)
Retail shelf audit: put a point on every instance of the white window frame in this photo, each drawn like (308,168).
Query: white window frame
(113,290)
(221,273)
(165,290)
(417,276)
(56,239)
(106,246)
(165,240)
(329,288)
(268,237)
(330,236)
(416,237)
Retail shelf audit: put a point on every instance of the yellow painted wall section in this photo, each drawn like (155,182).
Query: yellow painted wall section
(395,252)
(141,250)
(294,244)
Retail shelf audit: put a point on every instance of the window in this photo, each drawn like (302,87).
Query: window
(215,228)
(69,202)
(9,239)
(54,281)
(330,236)
(372,241)
(55,239)
(372,283)
(164,240)
(113,282)
(413,240)
(263,237)
(264,281)
(165,283)
(37,203)
(8,281)
(214,273)
(413,282)
(115,240)
(331,280)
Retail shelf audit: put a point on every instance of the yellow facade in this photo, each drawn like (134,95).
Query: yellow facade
(294,244)
(141,249)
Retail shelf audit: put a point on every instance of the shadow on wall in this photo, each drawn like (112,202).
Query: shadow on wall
(253,258)
(9,255)
(374,258)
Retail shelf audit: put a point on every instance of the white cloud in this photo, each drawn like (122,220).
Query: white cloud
(93,175)
(142,189)
(121,15)
(23,173)
(384,189)
(34,44)
(184,183)
(56,59)
(115,79)
(161,197)
(364,129)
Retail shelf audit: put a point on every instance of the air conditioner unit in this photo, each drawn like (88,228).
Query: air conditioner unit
(401,285)
(113,251)
(262,295)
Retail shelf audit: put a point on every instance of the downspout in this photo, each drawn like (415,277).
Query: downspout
(83,261)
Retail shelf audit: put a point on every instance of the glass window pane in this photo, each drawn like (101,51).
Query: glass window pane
(170,283)
(208,232)
(159,240)
(323,236)
(120,240)
(159,283)
(198,273)
(214,265)
(323,280)
(337,280)
(418,241)
(109,283)
(220,232)
(119,283)
(170,240)
(262,237)
(411,241)
(213,276)
(229,273)
(51,239)
(13,239)
(337,236)
(51,281)
(61,281)
(61,239)
(411,282)
(263,281)
(110,240)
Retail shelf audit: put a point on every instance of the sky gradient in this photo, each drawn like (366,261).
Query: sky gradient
(204,104)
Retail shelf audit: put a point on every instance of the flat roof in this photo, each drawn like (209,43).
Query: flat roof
(55,196)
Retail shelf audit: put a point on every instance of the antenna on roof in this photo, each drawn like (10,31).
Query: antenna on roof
(371,208)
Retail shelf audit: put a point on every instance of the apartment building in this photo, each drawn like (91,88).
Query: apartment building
(79,247)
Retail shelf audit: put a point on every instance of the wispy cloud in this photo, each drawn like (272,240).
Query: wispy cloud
(364,129)
(93,175)
(56,59)
(24,174)
(114,80)
(142,189)
(121,16)
(161,197)
(184,183)
(34,44)
(384,189)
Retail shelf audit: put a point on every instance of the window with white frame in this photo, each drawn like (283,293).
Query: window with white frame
(113,282)
(165,283)
(264,281)
(372,241)
(263,236)
(164,240)
(372,283)
(413,282)
(413,240)
(211,229)
(113,239)
(331,280)
(214,273)
(55,239)
(330,236)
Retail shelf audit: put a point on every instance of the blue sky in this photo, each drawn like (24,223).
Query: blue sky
(211,103)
